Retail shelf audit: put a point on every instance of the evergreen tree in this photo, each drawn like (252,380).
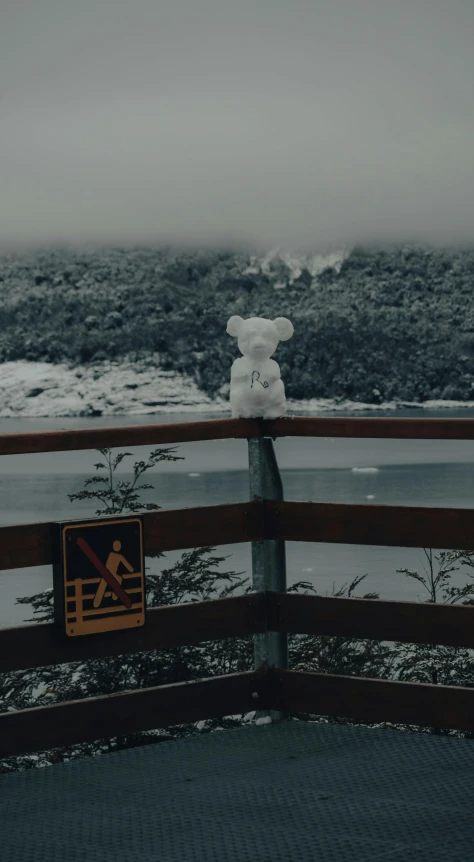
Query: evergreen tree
(438,664)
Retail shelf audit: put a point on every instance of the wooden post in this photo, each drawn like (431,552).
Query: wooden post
(268,557)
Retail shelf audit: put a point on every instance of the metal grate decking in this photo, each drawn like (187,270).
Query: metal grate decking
(287,792)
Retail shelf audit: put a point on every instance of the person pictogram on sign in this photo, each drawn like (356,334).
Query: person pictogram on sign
(113,562)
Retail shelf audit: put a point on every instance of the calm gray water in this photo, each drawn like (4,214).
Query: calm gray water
(416,473)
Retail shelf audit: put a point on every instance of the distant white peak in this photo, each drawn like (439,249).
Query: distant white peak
(277,260)
(294,264)
(332,260)
(271,255)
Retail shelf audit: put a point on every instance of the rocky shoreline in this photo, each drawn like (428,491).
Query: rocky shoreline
(42,389)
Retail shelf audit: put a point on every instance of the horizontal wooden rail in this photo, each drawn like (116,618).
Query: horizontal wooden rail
(219,429)
(76,721)
(128,435)
(375,700)
(203,525)
(398,526)
(304,692)
(188,623)
(370,426)
(408,622)
(168,626)
(23,545)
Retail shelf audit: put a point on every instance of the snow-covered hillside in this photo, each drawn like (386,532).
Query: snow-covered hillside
(40,389)
(371,325)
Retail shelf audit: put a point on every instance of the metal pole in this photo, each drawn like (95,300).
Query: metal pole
(268,557)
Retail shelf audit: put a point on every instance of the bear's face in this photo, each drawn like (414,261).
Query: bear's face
(257,337)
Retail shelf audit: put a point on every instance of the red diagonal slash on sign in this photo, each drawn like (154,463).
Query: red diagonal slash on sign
(107,576)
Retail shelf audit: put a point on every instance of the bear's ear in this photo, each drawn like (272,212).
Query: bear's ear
(284,327)
(234,325)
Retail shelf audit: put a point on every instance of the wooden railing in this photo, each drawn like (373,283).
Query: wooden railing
(259,521)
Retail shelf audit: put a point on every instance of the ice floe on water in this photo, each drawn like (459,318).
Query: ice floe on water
(265,719)
(365,469)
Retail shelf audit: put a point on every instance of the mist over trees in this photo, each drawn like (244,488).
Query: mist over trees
(374,325)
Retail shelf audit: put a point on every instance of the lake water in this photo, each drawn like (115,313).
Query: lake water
(410,472)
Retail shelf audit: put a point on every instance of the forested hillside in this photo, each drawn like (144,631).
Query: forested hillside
(370,326)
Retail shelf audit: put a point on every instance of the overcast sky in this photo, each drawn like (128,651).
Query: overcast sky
(304,123)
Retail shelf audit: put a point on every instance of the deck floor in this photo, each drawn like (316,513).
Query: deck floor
(290,791)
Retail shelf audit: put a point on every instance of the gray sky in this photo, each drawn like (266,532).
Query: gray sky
(304,123)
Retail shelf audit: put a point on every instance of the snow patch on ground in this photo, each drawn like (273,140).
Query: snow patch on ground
(40,389)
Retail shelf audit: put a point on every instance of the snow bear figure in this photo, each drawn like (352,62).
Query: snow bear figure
(256,388)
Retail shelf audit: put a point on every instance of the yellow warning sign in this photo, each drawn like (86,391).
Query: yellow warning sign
(99,579)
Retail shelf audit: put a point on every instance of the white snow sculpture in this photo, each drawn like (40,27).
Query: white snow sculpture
(256,388)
